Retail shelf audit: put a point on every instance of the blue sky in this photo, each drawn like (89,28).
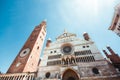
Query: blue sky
(19,17)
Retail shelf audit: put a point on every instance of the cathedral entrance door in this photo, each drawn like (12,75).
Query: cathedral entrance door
(71,78)
(70,75)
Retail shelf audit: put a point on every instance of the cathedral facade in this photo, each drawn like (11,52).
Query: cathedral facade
(73,58)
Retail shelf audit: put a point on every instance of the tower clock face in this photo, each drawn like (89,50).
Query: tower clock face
(67,49)
(25,52)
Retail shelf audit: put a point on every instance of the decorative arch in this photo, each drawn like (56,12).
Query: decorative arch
(67,60)
(70,74)
(63,61)
(73,60)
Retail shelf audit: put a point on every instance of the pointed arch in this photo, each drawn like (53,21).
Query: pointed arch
(70,74)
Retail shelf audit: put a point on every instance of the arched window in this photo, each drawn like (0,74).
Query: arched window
(67,60)
(47,75)
(95,71)
(72,60)
(63,61)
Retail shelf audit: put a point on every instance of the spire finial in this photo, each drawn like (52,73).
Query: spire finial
(65,31)
(45,20)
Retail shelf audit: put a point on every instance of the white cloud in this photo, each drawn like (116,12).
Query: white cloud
(76,12)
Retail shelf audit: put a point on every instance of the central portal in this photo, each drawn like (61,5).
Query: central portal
(71,78)
(70,75)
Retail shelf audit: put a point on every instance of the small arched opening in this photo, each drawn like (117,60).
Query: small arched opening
(72,60)
(63,61)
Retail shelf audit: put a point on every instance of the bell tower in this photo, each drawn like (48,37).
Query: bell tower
(28,58)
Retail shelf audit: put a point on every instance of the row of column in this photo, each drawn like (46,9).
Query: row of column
(78,59)
(72,60)
(86,52)
(19,77)
(57,62)
(85,59)
(68,61)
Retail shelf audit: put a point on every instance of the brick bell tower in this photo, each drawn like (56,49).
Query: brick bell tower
(28,58)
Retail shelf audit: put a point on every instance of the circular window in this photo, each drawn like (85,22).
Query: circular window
(55,51)
(83,46)
(51,52)
(37,47)
(66,49)
(47,75)
(25,52)
(87,46)
(95,71)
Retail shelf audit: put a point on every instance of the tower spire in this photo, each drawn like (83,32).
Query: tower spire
(106,53)
(110,50)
